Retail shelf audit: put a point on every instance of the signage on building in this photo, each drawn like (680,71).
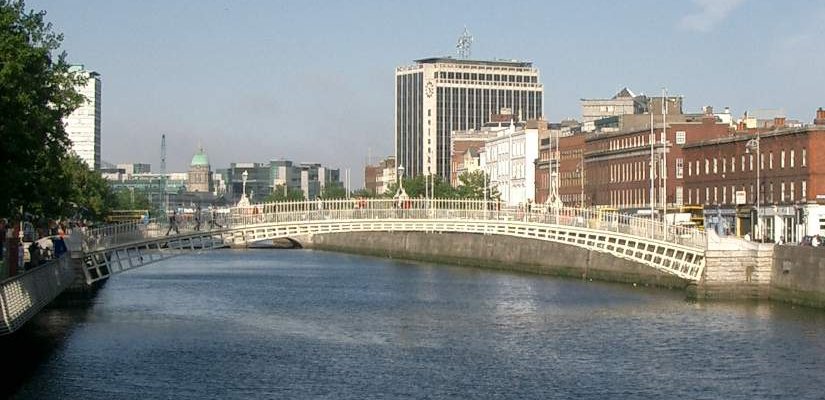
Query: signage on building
(741,197)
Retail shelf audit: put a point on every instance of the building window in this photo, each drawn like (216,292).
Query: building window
(707,166)
(690,169)
(762,161)
(732,164)
(782,159)
(803,195)
(716,195)
(770,160)
(804,161)
(707,195)
(782,192)
(697,167)
(724,194)
(724,165)
(750,157)
(680,168)
(680,137)
(743,164)
(793,189)
(793,153)
(690,196)
(679,196)
(715,166)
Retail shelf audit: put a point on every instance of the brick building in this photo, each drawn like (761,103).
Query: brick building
(721,176)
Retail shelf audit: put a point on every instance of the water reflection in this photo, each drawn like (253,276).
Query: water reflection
(308,324)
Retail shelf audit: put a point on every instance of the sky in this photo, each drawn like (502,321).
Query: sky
(313,81)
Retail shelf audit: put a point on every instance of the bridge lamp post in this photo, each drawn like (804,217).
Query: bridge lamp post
(400,195)
(243,178)
(580,171)
(753,144)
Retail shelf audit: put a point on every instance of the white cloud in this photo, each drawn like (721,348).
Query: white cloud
(710,13)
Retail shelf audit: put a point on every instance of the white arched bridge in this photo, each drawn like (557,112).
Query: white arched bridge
(100,253)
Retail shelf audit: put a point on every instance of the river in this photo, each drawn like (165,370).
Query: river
(266,324)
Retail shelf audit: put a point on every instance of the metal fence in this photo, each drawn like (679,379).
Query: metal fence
(23,295)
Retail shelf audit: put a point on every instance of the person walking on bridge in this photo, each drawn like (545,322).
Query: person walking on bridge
(198,217)
(173,223)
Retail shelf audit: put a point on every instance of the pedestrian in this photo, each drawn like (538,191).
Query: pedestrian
(173,223)
(198,217)
(34,255)
(213,220)
(815,242)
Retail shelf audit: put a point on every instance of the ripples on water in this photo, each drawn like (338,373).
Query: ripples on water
(308,324)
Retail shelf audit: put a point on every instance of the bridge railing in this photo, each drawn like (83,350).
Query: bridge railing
(117,234)
(460,209)
(360,209)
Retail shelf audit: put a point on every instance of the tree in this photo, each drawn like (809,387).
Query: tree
(278,195)
(334,190)
(36,94)
(126,199)
(88,193)
(416,187)
(471,186)
(363,192)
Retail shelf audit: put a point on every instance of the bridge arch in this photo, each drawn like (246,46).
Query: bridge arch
(678,251)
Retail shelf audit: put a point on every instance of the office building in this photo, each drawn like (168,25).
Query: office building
(83,124)
(437,96)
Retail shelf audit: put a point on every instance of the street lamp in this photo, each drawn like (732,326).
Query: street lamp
(400,194)
(580,171)
(244,201)
(753,144)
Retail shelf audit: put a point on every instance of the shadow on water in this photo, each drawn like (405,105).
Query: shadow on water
(31,346)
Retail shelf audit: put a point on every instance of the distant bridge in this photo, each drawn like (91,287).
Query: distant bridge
(100,253)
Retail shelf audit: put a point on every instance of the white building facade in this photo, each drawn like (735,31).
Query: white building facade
(83,125)
(437,96)
(509,160)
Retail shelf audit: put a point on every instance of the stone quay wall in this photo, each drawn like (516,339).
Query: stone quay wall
(798,275)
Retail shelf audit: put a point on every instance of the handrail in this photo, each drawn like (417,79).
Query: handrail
(359,209)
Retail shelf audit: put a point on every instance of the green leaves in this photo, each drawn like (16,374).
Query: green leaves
(36,93)
(285,194)
(471,186)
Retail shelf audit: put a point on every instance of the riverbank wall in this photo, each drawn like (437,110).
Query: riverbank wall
(734,269)
(798,275)
(495,252)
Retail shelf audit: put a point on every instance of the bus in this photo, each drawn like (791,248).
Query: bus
(126,216)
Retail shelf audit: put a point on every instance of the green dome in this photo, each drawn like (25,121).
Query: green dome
(200,158)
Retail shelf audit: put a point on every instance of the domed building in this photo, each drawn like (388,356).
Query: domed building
(200,173)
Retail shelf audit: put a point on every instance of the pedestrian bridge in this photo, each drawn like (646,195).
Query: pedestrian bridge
(102,252)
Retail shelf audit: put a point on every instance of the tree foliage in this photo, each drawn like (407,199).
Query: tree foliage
(278,195)
(126,199)
(88,193)
(334,190)
(471,186)
(36,93)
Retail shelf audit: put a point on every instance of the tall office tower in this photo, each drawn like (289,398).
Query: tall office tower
(83,125)
(437,96)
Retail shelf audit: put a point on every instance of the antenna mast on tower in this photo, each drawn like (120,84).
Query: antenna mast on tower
(163,171)
(464,45)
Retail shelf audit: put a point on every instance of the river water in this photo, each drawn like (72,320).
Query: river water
(263,324)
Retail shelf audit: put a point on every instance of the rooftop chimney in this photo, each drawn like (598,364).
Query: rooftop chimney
(820,117)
